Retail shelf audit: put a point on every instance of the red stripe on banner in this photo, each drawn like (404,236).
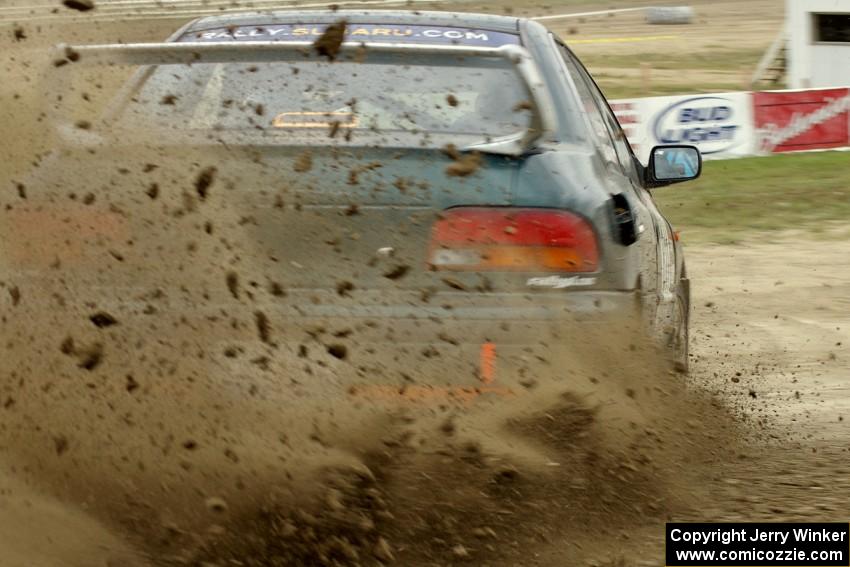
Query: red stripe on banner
(802,120)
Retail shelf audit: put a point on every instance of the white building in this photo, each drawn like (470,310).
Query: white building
(818,33)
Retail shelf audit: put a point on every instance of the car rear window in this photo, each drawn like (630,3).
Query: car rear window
(481,97)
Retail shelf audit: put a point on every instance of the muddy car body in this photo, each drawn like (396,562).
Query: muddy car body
(399,253)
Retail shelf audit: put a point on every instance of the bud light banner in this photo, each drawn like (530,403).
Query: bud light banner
(720,125)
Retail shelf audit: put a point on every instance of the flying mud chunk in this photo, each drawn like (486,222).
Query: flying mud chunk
(344,288)
(102,320)
(79,5)
(216,504)
(15,295)
(397,272)
(71,56)
(88,358)
(153,191)
(303,163)
(60,443)
(464,165)
(329,43)
(264,330)
(338,350)
(232,281)
(204,181)
(131,384)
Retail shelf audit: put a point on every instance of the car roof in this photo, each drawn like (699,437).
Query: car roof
(507,24)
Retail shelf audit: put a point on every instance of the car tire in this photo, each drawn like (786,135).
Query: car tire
(679,341)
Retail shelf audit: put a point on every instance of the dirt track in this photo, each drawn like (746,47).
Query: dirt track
(770,350)
(779,311)
(770,339)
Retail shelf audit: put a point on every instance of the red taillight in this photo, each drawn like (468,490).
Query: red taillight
(529,240)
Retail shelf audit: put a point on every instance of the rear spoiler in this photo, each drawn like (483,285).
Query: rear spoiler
(543,124)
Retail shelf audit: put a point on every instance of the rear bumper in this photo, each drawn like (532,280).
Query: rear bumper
(462,346)
(470,318)
(386,319)
(383,347)
(576,305)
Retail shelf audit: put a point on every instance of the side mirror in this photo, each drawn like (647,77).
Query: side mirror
(673,164)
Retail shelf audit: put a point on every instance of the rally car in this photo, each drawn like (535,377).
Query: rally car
(373,181)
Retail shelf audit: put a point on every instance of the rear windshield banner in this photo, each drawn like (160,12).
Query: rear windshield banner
(358,32)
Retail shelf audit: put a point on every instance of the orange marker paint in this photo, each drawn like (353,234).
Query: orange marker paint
(488,363)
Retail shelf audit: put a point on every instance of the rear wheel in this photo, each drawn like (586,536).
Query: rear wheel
(680,339)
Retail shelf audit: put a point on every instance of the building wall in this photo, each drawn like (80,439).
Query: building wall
(811,64)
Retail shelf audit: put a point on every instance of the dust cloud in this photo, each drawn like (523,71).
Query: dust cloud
(167,401)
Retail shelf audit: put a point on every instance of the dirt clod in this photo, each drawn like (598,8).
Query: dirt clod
(337,350)
(60,444)
(204,181)
(460,552)
(263,327)
(304,162)
(79,5)
(131,385)
(454,284)
(383,552)
(216,504)
(344,288)
(91,357)
(232,281)
(329,43)
(67,347)
(397,272)
(102,319)
(464,164)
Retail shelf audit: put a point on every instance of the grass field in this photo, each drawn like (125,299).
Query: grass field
(809,192)
(721,69)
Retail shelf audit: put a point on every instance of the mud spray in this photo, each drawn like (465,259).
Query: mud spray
(164,404)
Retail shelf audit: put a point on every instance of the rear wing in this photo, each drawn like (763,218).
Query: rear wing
(542,126)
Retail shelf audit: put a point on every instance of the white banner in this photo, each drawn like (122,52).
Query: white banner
(720,125)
